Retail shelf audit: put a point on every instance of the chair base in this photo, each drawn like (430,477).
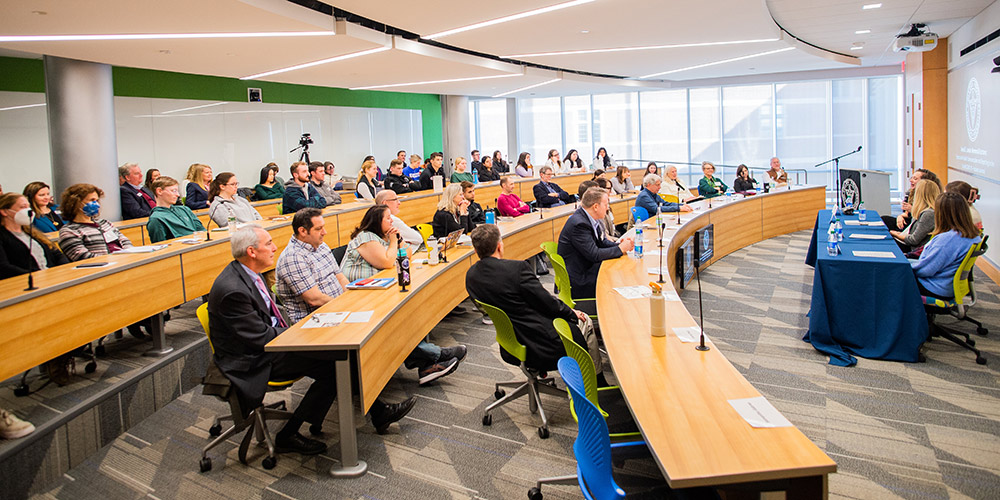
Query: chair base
(959,338)
(532,387)
(255,425)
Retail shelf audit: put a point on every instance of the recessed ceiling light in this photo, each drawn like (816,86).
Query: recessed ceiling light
(862,32)
(724,61)
(158,36)
(857,47)
(647,47)
(871,6)
(505,19)
(22,107)
(584,31)
(316,63)
(432,81)
(529,87)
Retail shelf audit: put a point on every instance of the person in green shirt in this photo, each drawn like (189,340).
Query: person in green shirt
(269,187)
(168,221)
(710,186)
(460,174)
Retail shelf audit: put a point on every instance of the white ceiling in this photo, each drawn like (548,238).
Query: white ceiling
(829,24)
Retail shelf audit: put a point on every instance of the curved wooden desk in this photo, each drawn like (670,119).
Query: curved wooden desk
(679,396)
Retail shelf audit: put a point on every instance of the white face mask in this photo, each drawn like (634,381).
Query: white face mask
(22,218)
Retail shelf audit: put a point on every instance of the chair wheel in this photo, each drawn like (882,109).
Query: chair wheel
(215,430)
(22,390)
(100,351)
(981,360)
(971,342)
(90,367)
(487,419)
(921,358)
(119,335)
(269,463)
(535,494)
(982,331)
(205,464)
(499,393)
(543,432)
(283,405)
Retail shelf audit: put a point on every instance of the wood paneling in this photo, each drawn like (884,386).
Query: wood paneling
(783,213)
(737,224)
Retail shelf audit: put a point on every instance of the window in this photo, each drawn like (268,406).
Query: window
(578,135)
(492,126)
(885,126)
(802,126)
(540,128)
(664,126)
(706,144)
(616,124)
(848,126)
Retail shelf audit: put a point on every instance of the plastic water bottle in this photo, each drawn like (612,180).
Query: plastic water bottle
(848,206)
(832,247)
(861,212)
(729,195)
(475,176)
(659,216)
(230,220)
(638,241)
(758,187)
(839,229)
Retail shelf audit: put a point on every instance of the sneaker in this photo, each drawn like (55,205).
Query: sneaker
(456,352)
(437,370)
(12,427)
(487,320)
(385,414)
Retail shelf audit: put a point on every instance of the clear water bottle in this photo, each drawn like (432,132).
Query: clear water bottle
(729,195)
(848,206)
(839,229)
(638,241)
(758,187)
(861,212)
(230,220)
(833,246)
(659,216)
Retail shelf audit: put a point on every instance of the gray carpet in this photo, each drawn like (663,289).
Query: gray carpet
(896,430)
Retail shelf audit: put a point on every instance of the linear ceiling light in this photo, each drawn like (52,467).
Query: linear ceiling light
(316,63)
(871,6)
(628,49)
(22,107)
(370,87)
(192,107)
(505,19)
(158,36)
(529,87)
(724,61)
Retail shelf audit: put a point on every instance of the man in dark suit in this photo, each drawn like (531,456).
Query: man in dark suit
(583,243)
(511,285)
(136,201)
(243,318)
(549,194)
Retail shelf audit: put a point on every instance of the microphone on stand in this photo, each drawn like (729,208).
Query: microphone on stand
(208,232)
(662,227)
(701,316)
(31,279)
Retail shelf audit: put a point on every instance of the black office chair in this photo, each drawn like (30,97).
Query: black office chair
(338,253)
(246,193)
(965,297)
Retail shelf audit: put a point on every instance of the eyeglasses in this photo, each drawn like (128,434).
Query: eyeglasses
(234,184)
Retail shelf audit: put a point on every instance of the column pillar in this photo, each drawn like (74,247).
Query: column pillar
(81,114)
(455,115)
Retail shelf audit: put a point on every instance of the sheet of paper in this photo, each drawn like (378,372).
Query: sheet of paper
(862,236)
(874,223)
(325,320)
(852,223)
(655,271)
(689,334)
(142,249)
(634,292)
(359,317)
(873,253)
(758,412)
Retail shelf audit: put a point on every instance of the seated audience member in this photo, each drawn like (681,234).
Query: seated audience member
(243,318)
(300,192)
(307,274)
(901,221)
(549,194)
(411,236)
(476,213)
(649,197)
(602,161)
(673,189)
(16,235)
(461,174)
(744,183)
(776,173)
(151,175)
(954,234)
(434,168)
(368,185)
(512,286)
(524,168)
(621,183)
(225,202)
(919,231)
(508,203)
(452,212)
(169,220)
(572,162)
(583,244)
(85,234)
(555,163)
(710,186)
(379,174)
(487,173)
(963,188)
(599,174)
(609,218)
(269,188)
(499,164)
(317,177)
(583,187)
(136,202)
(335,180)
(413,171)
(476,165)
(401,156)
(397,182)
(651,168)
(40,198)
(197,189)
(373,247)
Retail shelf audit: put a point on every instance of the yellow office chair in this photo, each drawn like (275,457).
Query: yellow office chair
(563,290)
(965,297)
(255,423)
(669,198)
(426,231)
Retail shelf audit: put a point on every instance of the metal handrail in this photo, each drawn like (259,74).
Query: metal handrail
(720,169)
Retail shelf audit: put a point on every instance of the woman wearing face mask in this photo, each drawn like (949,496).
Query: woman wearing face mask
(16,235)
(87,235)
(40,198)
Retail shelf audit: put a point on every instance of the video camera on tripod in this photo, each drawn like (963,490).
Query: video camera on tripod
(304,143)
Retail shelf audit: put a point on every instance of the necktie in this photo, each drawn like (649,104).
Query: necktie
(600,231)
(267,298)
(149,200)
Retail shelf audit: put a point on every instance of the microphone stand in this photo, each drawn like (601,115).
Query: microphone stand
(662,227)
(31,279)
(836,173)
(701,315)
(208,232)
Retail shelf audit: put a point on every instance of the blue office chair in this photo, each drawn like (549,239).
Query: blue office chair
(639,214)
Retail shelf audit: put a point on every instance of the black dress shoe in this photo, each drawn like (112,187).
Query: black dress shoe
(135,331)
(388,414)
(298,443)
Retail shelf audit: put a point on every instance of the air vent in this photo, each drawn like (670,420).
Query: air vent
(982,41)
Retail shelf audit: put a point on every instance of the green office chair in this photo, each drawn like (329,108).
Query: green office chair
(563,290)
(965,297)
(255,423)
(532,386)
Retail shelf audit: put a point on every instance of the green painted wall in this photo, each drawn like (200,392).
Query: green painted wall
(27,75)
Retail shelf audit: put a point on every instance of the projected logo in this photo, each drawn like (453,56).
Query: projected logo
(973,109)
(849,192)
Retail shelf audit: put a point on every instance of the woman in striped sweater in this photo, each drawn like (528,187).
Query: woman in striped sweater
(85,234)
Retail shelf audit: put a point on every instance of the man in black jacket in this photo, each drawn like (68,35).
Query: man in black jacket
(136,201)
(243,318)
(583,243)
(476,212)
(434,168)
(398,182)
(549,194)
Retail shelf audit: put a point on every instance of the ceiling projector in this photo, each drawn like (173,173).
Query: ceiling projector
(918,39)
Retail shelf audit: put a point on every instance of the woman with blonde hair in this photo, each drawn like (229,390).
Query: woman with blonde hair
(460,173)
(368,185)
(922,208)
(452,212)
(197,188)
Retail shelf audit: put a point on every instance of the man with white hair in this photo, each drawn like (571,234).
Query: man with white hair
(136,201)
(649,197)
(776,173)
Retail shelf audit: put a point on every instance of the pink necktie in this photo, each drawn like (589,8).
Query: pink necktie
(274,307)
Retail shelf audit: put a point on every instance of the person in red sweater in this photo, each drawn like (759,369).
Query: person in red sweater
(509,203)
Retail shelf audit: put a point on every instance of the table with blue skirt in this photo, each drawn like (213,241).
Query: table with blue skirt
(864,306)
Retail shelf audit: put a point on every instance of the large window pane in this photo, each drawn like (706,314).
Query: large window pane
(706,143)
(746,116)
(848,127)
(802,126)
(664,126)
(578,134)
(884,127)
(540,124)
(493,126)
(616,124)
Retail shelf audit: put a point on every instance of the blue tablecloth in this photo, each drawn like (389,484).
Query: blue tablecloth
(866,306)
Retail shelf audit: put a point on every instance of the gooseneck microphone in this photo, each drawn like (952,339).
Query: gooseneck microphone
(208,232)
(701,315)
(31,279)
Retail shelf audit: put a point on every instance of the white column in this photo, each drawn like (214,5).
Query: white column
(455,115)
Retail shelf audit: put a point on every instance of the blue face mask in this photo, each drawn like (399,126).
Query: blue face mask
(91,209)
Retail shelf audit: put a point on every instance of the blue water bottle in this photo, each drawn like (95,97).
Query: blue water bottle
(490,216)
(475,176)
(638,241)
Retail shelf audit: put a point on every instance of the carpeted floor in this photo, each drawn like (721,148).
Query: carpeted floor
(896,430)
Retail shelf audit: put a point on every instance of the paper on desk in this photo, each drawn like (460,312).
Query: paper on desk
(634,292)
(758,412)
(325,320)
(873,253)
(688,334)
(143,249)
(359,317)
(862,236)
(852,223)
